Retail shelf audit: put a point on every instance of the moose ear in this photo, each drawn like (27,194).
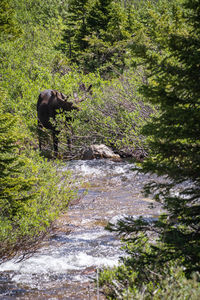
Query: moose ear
(63,96)
(53,93)
(60,96)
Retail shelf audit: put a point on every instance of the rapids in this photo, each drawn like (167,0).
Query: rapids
(64,268)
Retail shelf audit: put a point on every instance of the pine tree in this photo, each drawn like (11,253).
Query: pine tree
(15,188)
(173,84)
(108,36)
(96,34)
(98,18)
(75,28)
(169,51)
(9,26)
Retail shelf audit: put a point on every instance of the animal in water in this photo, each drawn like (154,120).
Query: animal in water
(50,103)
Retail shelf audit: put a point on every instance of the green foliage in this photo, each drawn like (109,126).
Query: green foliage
(9,27)
(33,191)
(29,63)
(122,283)
(141,274)
(75,30)
(113,115)
(172,65)
(15,190)
(163,255)
(95,35)
(39,12)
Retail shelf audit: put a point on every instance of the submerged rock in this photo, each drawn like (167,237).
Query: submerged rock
(99,151)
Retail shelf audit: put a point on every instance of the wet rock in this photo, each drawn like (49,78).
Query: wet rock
(99,151)
(135,154)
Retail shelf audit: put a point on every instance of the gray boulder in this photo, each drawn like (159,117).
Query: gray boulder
(99,151)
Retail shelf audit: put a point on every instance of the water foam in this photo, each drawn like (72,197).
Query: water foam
(99,167)
(70,256)
(45,266)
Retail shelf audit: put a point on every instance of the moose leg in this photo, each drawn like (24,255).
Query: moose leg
(69,137)
(39,129)
(55,142)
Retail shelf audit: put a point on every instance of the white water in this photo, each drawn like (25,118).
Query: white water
(71,259)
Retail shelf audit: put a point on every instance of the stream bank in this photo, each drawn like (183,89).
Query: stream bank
(64,268)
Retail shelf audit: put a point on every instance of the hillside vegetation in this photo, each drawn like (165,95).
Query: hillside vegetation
(142,59)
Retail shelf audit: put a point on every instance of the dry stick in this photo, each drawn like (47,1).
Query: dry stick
(98,284)
(89,291)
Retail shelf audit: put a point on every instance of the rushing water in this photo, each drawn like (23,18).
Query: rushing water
(65,266)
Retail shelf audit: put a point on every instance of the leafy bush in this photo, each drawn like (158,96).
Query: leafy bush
(33,192)
(120,283)
(140,274)
(113,115)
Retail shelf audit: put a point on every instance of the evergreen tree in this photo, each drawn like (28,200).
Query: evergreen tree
(98,18)
(9,27)
(75,28)
(108,36)
(15,188)
(169,50)
(175,141)
(96,34)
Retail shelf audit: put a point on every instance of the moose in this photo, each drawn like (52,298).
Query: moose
(52,102)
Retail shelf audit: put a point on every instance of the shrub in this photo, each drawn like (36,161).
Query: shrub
(33,192)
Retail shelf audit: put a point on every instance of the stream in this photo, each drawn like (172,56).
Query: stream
(68,262)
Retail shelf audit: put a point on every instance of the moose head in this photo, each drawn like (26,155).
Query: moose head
(50,103)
